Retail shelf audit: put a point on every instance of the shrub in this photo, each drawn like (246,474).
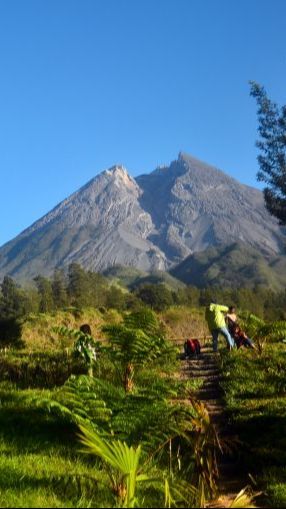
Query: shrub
(44,370)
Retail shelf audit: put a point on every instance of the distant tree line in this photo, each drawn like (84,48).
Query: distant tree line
(79,289)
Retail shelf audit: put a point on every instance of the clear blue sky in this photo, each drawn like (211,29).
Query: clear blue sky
(89,83)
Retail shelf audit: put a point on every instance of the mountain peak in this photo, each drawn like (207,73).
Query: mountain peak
(117,169)
(119,176)
(151,222)
(182,156)
(192,161)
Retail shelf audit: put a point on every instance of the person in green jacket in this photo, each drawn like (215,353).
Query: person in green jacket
(216,322)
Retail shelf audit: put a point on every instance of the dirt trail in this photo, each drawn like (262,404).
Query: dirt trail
(207,368)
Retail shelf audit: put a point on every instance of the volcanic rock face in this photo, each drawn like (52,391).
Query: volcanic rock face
(151,222)
(195,206)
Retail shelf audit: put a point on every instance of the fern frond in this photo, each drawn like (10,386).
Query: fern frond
(78,402)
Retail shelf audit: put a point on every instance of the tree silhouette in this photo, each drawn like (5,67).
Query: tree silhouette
(272,157)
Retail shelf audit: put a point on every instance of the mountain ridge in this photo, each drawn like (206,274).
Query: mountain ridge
(151,222)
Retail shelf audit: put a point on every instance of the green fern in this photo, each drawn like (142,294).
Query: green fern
(78,402)
(145,320)
(262,332)
(133,347)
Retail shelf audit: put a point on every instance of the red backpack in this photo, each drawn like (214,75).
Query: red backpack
(197,346)
(192,347)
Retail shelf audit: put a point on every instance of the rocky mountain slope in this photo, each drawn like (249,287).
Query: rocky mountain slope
(152,222)
(195,206)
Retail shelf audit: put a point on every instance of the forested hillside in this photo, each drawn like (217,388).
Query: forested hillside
(237,265)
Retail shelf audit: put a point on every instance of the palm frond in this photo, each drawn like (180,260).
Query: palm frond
(243,500)
(117,455)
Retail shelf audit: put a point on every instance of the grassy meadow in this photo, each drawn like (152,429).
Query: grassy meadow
(66,438)
(46,395)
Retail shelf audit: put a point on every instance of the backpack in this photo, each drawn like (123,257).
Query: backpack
(197,346)
(192,347)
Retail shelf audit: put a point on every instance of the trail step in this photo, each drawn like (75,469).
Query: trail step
(206,369)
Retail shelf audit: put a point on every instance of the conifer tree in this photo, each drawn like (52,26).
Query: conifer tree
(272,157)
(78,286)
(11,301)
(60,296)
(45,291)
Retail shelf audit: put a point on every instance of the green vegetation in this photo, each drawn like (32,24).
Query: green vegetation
(132,416)
(255,388)
(40,465)
(114,386)
(233,266)
(133,278)
(66,298)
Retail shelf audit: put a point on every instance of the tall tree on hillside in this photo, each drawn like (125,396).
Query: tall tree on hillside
(44,287)
(79,286)
(272,157)
(59,289)
(158,297)
(13,306)
(11,301)
(98,289)
(115,298)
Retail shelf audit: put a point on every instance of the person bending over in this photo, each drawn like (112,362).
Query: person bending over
(216,321)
